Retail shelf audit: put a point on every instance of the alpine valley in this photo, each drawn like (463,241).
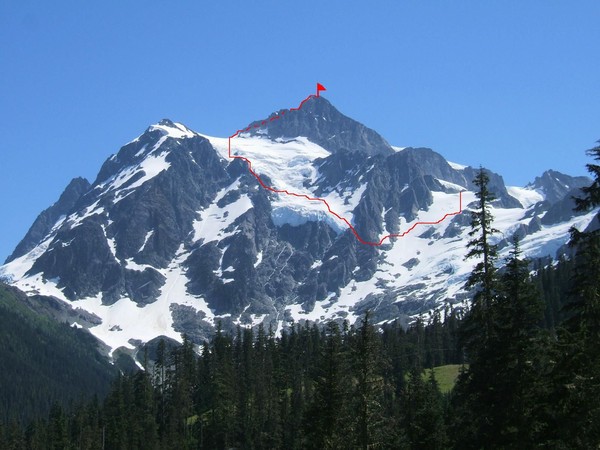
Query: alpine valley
(174,236)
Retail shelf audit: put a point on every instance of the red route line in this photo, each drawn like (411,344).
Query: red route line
(322,200)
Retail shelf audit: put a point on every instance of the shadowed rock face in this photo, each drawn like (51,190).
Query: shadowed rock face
(48,218)
(556,185)
(562,210)
(146,226)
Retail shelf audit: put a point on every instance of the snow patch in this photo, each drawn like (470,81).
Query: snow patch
(212,221)
(456,166)
(177,131)
(527,197)
(449,185)
(146,238)
(151,166)
(111,243)
(132,265)
(75,219)
(259,257)
(141,151)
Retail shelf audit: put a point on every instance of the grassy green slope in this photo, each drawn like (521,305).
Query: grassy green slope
(445,376)
(42,361)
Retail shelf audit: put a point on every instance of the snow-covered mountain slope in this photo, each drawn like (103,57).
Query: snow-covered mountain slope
(289,165)
(174,236)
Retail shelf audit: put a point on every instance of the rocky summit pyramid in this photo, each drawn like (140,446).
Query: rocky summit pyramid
(175,236)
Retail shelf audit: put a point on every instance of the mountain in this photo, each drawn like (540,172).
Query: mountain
(554,186)
(321,123)
(176,235)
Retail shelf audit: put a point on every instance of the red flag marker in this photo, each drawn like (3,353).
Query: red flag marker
(320,88)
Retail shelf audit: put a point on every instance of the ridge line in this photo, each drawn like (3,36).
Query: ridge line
(322,200)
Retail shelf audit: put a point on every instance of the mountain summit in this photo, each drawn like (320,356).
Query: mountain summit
(174,236)
(555,185)
(320,122)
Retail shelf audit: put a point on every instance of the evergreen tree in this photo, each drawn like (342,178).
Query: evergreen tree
(452,350)
(474,396)
(577,390)
(178,397)
(394,346)
(245,370)
(518,350)
(115,416)
(263,392)
(495,401)
(327,416)
(312,388)
(294,400)
(369,386)
(483,278)
(58,436)
(146,430)
(160,382)
(14,438)
(424,412)
(221,382)
(553,281)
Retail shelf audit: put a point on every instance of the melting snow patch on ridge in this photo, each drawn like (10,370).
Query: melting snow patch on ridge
(527,197)
(151,166)
(177,131)
(456,166)
(289,165)
(75,219)
(125,320)
(146,238)
(296,215)
(17,268)
(213,221)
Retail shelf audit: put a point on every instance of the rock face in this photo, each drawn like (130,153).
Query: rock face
(174,237)
(49,217)
(324,125)
(121,231)
(555,185)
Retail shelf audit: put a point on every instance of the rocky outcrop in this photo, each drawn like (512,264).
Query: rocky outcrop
(320,122)
(556,185)
(49,217)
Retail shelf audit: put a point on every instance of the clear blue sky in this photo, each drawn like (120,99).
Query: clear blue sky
(511,85)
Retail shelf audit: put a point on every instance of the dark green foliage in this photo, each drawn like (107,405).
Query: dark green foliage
(477,328)
(44,362)
(474,397)
(591,194)
(332,387)
(423,416)
(495,397)
(575,387)
(519,353)
(553,283)
(327,423)
(368,364)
